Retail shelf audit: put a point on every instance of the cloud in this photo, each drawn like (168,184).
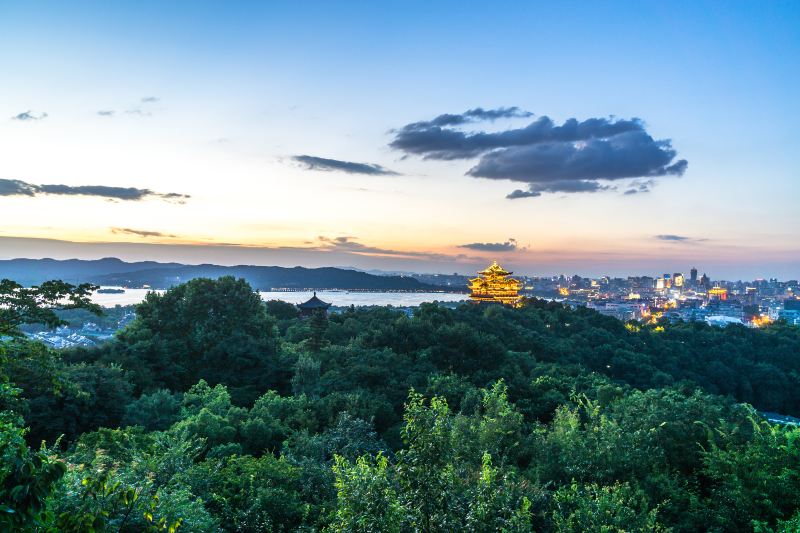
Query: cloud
(27,116)
(349,244)
(576,156)
(674,238)
(320,163)
(472,115)
(432,140)
(22,188)
(140,233)
(565,186)
(509,246)
(626,155)
(638,187)
(15,188)
(139,112)
(519,193)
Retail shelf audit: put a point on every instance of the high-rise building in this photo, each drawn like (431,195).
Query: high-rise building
(718,293)
(677,280)
(751,294)
(705,281)
(693,276)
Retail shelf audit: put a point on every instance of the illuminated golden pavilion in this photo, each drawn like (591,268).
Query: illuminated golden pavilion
(495,286)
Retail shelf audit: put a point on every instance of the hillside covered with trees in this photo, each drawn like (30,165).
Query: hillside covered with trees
(150,274)
(213,411)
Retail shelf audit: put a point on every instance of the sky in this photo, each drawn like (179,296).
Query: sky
(597,138)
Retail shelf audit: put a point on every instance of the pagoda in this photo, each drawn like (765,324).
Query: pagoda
(495,286)
(313,305)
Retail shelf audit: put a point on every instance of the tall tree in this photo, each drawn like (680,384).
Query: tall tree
(216,330)
(38,305)
(318,325)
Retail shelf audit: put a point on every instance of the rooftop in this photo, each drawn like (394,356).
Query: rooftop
(314,303)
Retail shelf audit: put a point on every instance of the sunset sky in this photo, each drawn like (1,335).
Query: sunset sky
(557,137)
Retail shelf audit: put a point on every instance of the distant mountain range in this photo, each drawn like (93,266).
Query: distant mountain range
(113,271)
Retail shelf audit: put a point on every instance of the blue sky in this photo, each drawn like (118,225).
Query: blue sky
(214,100)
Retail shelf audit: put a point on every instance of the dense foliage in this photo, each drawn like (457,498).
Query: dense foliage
(25,305)
(213,411)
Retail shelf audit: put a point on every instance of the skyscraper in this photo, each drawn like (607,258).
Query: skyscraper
(693,276)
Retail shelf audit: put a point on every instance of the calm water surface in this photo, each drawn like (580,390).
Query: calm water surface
(337,298)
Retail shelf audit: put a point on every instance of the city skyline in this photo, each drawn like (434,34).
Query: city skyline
(611,138)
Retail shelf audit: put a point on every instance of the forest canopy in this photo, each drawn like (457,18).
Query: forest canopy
(215,411)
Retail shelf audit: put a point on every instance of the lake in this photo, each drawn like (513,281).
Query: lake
(337,298)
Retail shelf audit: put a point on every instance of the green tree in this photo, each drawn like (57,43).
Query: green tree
(129,480)
(306,379)
(207,413)
(250,494)
(617,508)
(431,487)
(155,411)
(27,477)
(216,330)
(367,498)
(273,419)
(318,326)
(752,477)
(37,305)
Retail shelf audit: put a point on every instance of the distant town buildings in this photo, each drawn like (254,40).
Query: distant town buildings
(89,334)
(675,297)
(672,297)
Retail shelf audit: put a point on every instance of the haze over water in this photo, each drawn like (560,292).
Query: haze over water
(337,298)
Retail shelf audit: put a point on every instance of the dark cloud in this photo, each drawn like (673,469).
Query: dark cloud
(565,186)
(638,187)
(321,163)
(16,188)
(626,155)
(29,115)
(433,141)
(673,238)
(21,188)
(106,112)
(519,193)
(473,115)
(575,156)
(509,246)
(140,232)
(150,99)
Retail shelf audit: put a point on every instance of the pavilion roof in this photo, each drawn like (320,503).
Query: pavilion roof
(314,303)
(495,269)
